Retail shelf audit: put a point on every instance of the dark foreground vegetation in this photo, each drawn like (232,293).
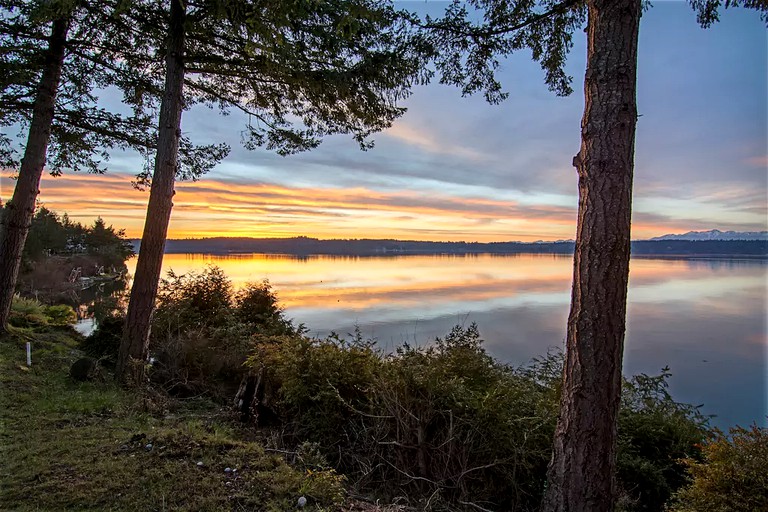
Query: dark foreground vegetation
(438,428)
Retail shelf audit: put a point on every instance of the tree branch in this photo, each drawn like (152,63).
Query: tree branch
(477,33)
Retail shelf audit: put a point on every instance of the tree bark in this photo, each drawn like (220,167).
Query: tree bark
(21,209)
(581,472)
(134,345)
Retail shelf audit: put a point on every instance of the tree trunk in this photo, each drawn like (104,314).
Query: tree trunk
(21,209)
(581,472)
(135,342)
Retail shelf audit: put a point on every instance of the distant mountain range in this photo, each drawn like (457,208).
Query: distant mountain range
(716,234)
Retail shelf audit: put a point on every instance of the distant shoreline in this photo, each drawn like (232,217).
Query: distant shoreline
(304,246)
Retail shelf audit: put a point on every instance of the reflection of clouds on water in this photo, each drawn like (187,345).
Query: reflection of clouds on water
(513,335)
(681,312)
(713,356)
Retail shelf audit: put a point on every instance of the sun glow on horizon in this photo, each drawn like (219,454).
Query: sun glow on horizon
(218,208)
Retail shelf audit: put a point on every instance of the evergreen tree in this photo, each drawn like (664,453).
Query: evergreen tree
(338,66)
(46,235)
(56,56)
(581,473)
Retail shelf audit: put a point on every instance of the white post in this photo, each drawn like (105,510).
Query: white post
(29,354)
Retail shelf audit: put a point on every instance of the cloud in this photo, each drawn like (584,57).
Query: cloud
(760,162)
(458,168)
(227,208)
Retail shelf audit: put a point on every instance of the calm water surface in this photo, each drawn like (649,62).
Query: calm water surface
(705,319)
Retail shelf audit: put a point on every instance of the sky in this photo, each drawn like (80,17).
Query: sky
(455,168)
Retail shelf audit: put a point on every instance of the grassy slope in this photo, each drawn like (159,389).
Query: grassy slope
(82,446)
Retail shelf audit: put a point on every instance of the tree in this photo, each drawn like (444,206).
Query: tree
(20,209)
(339,66)
(49,53)
(55,58)
(47,235)
(107,242)
(581,472)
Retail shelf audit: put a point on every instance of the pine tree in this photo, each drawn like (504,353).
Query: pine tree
(581,472)
(56,58)
(338,66)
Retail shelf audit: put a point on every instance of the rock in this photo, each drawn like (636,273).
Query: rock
(135,438)
(200,464)
(227,470)
(84,369)
(302,501)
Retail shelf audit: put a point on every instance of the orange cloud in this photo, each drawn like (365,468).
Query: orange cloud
(222,208)
(216,207)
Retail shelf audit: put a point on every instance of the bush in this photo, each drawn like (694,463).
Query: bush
(256,305)
(104,341)
(655,433)
(61,314)
(455,422)
(733,477)
(449,425)
(445,423)
(202,331)
(27,313)
(31,313)
(312,384)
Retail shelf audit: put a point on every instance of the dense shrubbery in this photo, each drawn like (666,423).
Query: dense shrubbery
(32,313)
(733,476)
(655,434)
(202,331)
(448,424)
(104,341)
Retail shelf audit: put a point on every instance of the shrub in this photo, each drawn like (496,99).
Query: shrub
(202,331)
(442,423)
(733,477)
(60,314)
(313,383)
(256,305)
(448,424)
(27,313)
(655,433)
(193,300)
(31,313)
(448,419)
(104,341)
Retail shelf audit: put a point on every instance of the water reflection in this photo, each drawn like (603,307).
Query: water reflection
(706,319)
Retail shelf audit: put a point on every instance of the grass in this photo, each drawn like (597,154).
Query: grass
(93,446)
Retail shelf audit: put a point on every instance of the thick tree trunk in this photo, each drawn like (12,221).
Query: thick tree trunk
(20,210)
(135,342)
(581,473)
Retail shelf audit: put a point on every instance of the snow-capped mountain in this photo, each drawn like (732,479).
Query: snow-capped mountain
(716,234)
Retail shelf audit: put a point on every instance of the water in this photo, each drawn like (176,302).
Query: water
(705,319)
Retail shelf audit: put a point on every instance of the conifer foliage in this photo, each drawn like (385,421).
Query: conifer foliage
(56,58)
(299,70)
(471,37)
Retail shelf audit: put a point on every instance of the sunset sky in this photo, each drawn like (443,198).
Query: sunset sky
(456,168)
